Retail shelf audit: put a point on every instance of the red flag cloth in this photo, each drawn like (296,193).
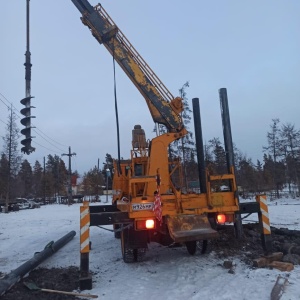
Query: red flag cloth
(157,207)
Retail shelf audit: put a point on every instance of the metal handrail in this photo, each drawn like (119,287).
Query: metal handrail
(156,82)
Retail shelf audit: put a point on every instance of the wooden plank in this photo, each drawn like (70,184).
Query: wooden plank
(282,266)
(278,288)
(264,261)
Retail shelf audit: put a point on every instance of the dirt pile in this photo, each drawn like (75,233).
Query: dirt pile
(246,249)
(56,279)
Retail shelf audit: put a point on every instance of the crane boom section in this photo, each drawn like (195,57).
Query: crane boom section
(164,108)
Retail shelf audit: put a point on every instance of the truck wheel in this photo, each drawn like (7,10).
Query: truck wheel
(118,233)
(139,254)
(202,245)
(191,247)
(128,254)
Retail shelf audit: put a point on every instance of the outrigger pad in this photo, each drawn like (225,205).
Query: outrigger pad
(185,228)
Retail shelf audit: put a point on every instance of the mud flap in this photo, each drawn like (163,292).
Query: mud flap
(135,239)
(185,228)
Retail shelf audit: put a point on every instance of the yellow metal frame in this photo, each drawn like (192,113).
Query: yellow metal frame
(173,202)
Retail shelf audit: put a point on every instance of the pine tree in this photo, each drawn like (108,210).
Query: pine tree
(271,178)
(260,184)
(216,161)
(246,176)
(93,182)
(219,156)
(56,176)
(108,165)
(38,180)
(25,180)
(274,148)
(185,147)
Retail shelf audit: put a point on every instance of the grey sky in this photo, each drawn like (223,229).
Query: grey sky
(250,47)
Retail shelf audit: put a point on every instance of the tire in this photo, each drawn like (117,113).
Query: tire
(132,252)
(139,254)
(238,228)
(191,247)
(118,233)
(202,245)
(128,254)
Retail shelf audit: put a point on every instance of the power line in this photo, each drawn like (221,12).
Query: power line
(38,143)
(34,130)
(6,100)
(17,114)
(4,103)
(48,142)
(50,137)
(45,147)
(3,122)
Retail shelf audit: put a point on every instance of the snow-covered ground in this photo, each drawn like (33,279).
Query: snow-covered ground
(167,273)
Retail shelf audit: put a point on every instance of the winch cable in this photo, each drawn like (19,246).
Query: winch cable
(117,230)
(116,112)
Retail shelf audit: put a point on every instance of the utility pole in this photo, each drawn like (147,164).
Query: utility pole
(44,173)
(97,197)
(107,174)
(70,175)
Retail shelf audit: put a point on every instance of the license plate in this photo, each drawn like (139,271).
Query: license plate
(142,206)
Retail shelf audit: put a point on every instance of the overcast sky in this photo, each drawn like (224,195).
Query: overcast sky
(252,48)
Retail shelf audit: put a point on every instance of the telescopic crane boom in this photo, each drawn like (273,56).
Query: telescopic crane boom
(150,201)
(164,108)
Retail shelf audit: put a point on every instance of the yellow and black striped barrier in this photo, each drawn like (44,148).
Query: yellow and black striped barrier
(85,280)
(264,221)
(84,228)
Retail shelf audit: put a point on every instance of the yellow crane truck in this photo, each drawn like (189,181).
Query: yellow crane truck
(150,202)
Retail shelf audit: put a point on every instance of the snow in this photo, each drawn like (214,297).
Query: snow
(166,273)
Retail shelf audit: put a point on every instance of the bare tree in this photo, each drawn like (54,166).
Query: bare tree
(12,153)
(3,176)
(290,142)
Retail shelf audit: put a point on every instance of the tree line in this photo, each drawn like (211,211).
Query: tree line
(279,168)
(46,179)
